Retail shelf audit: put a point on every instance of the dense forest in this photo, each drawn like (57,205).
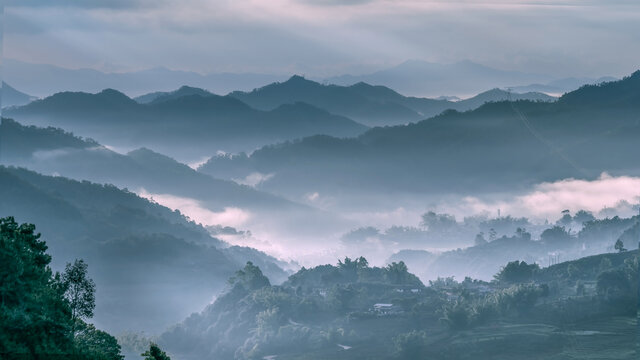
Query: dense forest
(354,311)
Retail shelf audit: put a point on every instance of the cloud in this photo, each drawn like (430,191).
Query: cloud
(87,4)
(327,37)
(336,2)
(547,200)
(254,179)
(230,216)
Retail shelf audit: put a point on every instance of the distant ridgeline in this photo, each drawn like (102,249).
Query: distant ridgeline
(500,146)
(175,122)
(574,309)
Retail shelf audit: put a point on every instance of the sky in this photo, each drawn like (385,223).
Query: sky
(326,37)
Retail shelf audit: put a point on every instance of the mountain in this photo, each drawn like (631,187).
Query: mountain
(160,96)
(13,97)
(207,199)
(586,132)
(186,127)
(496,94)
(421,78)
(44,80)
(152,266)
(54,151)
(367,104)
(562,86)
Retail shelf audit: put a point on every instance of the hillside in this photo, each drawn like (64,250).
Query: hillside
(353,311)
(160,96)
(463,152)
(54,151)
(13,97)
(186,127)
(152,265)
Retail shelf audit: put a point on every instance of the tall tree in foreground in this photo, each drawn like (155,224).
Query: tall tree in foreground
(34,318)
(79,290)
(41,313)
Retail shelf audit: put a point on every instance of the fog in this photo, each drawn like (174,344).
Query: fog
(308,244)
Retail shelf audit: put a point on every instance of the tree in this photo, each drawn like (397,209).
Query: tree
(438,222)
(250,277)
(523,234)
(397,272)
(37,320)
(480,240)
(34,318)
(566,218)
(516,272)
(79,290)
(456,316)
(154,353)
(573,271)
(340,297)
(410,345)
(96,344)
(612,283)
(605,264)
(583,216)
(556,236)
(619,246)
(493,234)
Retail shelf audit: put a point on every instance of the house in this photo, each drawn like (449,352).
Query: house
(386,309)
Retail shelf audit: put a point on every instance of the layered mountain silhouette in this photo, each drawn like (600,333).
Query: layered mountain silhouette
(183,126)
(367,104)
(13,97)
(499,146)
(561,86)
(213,201)
(422,78)
(134,247)
(44,80)
(54,151)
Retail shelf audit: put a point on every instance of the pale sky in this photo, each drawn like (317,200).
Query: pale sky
(326,37)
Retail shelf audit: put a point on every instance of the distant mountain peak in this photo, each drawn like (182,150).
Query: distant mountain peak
(114,95)
(299,80)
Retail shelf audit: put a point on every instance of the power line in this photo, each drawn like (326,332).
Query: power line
(540,138)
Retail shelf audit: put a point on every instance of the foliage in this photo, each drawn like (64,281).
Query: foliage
(619,245)
(79,290)
(37,315)
(480,240)
(456,315)
(410,345)
(97,344)
(517,272)
(556,236)
(250,278)
(155,353)
(34,317)
(438,222)
(397,273)
(612,282)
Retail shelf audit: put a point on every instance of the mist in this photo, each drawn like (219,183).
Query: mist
(319,179)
